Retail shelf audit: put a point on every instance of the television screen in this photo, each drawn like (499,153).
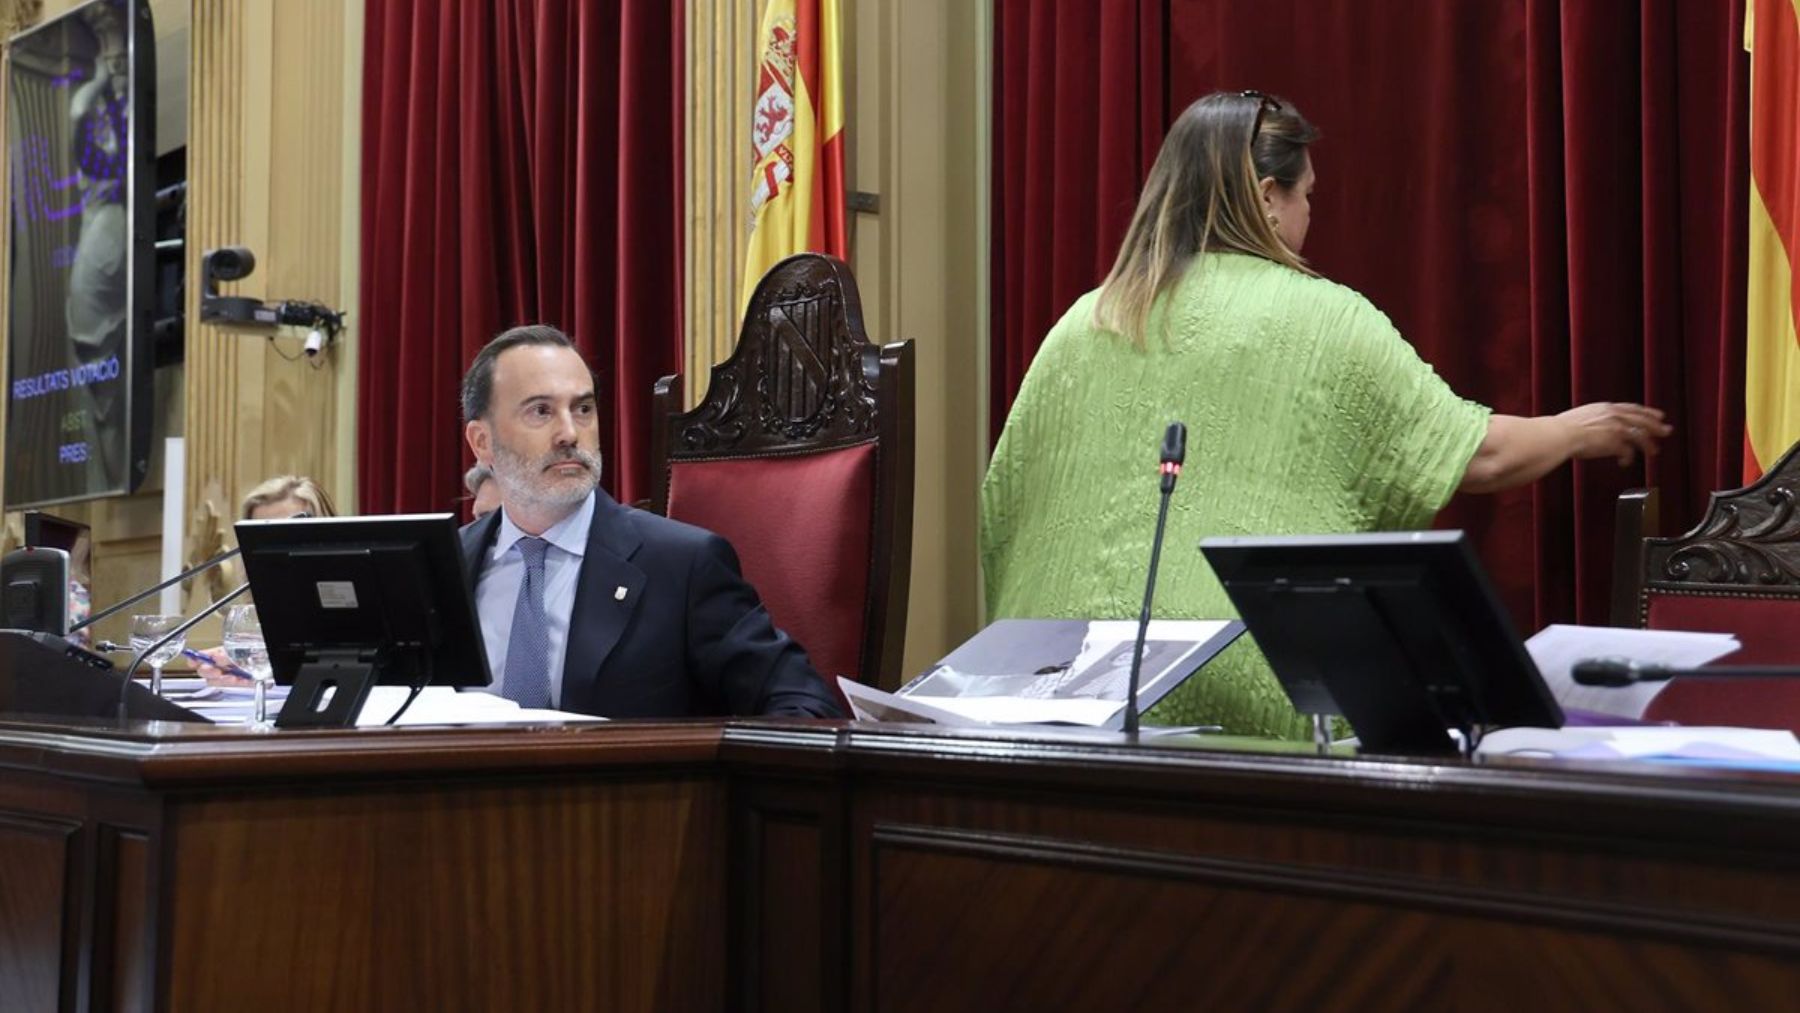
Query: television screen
(81,280)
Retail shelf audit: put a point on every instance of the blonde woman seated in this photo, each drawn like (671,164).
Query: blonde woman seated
(287,496)
(1308,413)
(279,498)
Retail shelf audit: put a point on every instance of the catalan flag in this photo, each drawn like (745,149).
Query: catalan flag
(797,137)
(1772,356)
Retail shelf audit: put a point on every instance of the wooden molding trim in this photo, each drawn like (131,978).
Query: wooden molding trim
(1376,888)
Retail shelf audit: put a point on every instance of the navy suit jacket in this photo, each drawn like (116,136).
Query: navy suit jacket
(689,638)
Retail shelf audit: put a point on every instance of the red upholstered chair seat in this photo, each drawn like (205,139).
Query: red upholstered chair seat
(1769,629)
(801,524)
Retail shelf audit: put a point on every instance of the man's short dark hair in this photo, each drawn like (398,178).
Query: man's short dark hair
(478,382)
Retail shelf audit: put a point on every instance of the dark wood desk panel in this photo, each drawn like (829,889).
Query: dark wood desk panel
(784,866)
(790,887)
(540,868)
(87,922)
(603,894)
(1081,875)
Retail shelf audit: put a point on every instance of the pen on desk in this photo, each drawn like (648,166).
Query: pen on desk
(205,659)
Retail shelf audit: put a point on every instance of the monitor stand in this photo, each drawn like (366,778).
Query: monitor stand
(329,692)
(1321,732)
(1369,675)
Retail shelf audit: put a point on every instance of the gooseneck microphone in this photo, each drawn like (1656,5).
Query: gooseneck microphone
(1616,672)
(147,592)
(1174,451)
(234,594)
(193,571)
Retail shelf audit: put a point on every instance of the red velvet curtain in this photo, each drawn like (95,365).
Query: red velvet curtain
(1079,113)
(1547,197)
(521,163)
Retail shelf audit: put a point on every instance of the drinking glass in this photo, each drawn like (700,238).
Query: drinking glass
(245,646)
(147,630)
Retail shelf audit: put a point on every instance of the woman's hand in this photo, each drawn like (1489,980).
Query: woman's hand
(1517,450)
(1614,429)
(216,674)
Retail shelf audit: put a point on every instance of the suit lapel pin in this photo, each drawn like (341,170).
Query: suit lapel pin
(619,595)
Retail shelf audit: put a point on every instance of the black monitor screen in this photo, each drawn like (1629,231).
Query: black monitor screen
(81,288)
(1401,633)
(388,591)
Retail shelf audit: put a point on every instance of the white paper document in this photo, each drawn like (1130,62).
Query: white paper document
(436,705)
(442,705)
(871,704)
(1556,649)
(1643,741)
(1088,689)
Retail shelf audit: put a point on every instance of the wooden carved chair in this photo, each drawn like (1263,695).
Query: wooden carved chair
(1737,572)
(801,455)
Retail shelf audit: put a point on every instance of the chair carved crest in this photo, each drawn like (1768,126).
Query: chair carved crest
(1750,537)
(1747,545)
(803,376)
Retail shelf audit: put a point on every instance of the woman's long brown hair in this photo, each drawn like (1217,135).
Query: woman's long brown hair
(1202,196)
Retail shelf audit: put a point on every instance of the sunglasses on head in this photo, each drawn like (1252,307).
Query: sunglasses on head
(1264,103)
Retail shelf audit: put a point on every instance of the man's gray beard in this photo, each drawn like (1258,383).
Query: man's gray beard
(521,482)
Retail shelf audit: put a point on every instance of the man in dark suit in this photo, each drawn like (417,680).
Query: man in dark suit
(586,605)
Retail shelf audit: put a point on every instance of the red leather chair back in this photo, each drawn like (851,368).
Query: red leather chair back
(803,527)
(1768,629)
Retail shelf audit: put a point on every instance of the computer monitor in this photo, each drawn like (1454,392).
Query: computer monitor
(34,590)
(351,602)
(47,531)
(1401,633)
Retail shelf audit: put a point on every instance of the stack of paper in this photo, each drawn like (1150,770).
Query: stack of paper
(1557,649)
(441,705)
(436,705)
(1644,742)
(1000,680)
(871,704)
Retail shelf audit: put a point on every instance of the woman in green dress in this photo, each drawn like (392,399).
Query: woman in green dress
(1307,412)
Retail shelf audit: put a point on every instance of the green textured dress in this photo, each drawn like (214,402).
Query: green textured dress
(1307,413)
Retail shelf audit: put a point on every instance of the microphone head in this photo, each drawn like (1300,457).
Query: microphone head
(1174,445)
(1605,672)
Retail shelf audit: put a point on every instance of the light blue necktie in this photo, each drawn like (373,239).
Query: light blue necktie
(527,679)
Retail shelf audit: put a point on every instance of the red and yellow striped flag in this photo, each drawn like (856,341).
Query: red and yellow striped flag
(797,137)
(1772,356)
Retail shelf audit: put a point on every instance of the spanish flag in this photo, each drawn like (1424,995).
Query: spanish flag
(797,137)
(1772,358)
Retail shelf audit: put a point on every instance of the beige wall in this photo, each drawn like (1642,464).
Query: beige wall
(720,47)
(917,75)
(272,147)
(917,127)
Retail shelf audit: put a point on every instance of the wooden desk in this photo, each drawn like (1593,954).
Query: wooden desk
(759,865)
(378,869)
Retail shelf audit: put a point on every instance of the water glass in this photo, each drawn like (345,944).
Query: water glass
(245,646)
(147,630)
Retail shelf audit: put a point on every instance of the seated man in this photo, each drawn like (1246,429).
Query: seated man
(484,492)
(590,606)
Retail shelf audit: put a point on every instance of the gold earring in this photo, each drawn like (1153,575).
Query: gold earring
(1273,220)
